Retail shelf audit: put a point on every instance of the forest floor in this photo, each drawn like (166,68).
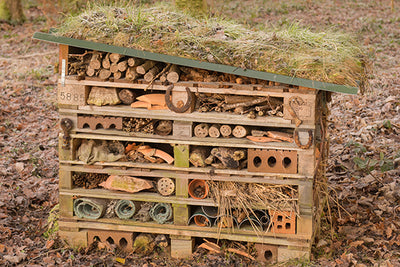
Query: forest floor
(363,225)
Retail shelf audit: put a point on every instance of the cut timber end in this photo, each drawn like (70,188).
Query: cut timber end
(173,74)
(115,57)
(142,69)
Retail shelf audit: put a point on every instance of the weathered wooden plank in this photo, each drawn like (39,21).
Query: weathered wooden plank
(181,155)
(192,231)
(209,117)
(208,170)
(290,253)
(181,214)
(66,206)
(65,179)
(258,178)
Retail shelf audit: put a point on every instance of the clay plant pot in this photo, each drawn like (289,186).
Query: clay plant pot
(198,189)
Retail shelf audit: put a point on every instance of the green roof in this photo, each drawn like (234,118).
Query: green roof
(196,63)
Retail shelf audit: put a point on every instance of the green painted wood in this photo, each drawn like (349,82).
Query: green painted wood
(181,214)
(196,63)
(181,156)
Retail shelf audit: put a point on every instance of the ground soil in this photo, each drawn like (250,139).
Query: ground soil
(361,226)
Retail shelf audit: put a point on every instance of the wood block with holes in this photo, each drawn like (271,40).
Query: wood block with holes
(272,161)
(266,253)
(283,222)
(124,240)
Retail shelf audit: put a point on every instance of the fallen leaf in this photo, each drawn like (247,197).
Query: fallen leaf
(120,260)
(356,243)
(49,243)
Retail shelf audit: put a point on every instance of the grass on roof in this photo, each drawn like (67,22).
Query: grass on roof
(289,50)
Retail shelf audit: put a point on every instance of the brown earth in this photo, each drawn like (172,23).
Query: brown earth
(362,227)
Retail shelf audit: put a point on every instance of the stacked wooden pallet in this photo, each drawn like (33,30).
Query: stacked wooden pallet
(270,134)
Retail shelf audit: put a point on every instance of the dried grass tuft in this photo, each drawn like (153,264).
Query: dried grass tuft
(289,50)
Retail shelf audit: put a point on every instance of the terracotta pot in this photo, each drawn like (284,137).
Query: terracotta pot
(201,220)
(198,189)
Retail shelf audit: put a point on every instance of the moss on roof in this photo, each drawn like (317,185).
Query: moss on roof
(291,50)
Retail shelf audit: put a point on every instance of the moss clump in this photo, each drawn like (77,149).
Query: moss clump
(290,50)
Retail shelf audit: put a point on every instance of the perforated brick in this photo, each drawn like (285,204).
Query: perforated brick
(123,240)
(272,161)
(283,222)
(96,122)
(266,253)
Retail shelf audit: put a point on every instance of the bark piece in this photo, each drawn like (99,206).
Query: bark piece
(126,183)
(281,136)
(127,96)
(201,130)
(198,156)
(262,139)
(229,157)
(153,152)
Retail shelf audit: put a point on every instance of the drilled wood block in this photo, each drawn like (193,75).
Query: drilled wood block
(272,161)
(98,122)
(266,253)
(124,240)
(181,247)
(74,239)
(72,94)
(182,129)
(283,222)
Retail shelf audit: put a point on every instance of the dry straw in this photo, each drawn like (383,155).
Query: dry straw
(290,50)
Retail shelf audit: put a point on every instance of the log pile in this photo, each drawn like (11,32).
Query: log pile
(149,126)
(251,105)
(112,66)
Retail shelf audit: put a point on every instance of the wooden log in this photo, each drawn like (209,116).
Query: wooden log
(95,61)
(122,66)
(114,58)
(134,62)
(198,156)
(149,76)
(114,67)
(201,130)
(163,78)
(127,96)
(117,75)
(225,130)
(104,74)
(173,74)
(106,61)
(246,103)
(131,74)
(240,131)
(214,131)
(142,69)
(90,71)
(234,99)
(229,157)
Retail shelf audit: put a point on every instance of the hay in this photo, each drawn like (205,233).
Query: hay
(235,198)
(290,50)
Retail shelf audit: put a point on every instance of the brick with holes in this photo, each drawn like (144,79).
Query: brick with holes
(272,161)
(123,240)
(96,122)
(283,222)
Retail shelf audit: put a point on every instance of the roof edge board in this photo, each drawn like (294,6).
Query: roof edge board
(197,64)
